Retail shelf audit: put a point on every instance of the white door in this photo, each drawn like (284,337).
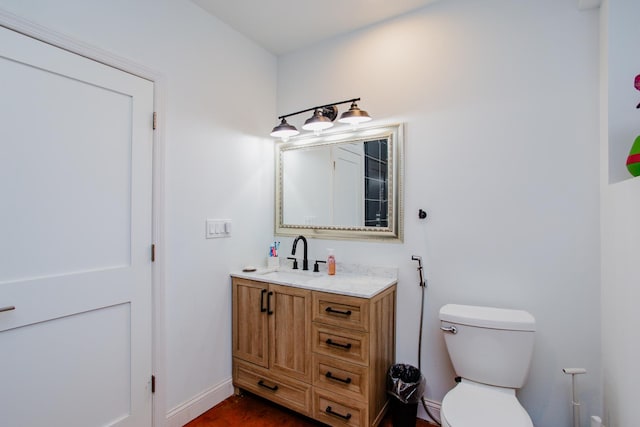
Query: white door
(75,237)
(348,183)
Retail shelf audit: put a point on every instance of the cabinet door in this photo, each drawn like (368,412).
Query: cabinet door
(290,338)
(250,322)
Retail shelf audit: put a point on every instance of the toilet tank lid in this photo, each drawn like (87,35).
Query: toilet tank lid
(488,317)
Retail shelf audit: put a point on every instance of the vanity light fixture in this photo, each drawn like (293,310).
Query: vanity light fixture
(318,122)
(284,130)
(322,118)
(354,116)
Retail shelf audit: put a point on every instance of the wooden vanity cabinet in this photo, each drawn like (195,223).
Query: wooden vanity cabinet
(271,331)
(324,355)
(353,349)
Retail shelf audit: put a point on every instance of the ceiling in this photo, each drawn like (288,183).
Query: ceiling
(282,26)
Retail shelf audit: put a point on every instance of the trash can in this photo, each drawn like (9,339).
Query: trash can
(405,385)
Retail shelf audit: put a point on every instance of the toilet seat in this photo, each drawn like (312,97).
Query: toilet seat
(472,404)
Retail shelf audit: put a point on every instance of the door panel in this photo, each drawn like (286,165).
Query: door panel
(250,325)
(75,235)
(290,332)
(348,183)
(71,176)
(69,352)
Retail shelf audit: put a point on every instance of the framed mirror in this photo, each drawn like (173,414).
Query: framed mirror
(345,184)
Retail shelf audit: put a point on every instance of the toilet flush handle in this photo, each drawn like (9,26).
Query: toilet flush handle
(450,329)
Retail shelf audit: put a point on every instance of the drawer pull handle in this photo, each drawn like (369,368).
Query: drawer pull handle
(331,377)
(262,309)
(262,384)
(334,311)
(337,344)
(7,308)
(331,411)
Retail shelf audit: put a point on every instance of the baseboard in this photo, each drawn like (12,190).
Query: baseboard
(434,408)
(201,403)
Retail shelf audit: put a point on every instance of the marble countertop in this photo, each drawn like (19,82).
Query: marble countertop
(357,281)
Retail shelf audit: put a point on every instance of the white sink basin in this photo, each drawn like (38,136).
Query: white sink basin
(285,277)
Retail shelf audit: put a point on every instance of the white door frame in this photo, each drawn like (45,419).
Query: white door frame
(46,35)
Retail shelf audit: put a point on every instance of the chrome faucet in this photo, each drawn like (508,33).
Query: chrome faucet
(305,261)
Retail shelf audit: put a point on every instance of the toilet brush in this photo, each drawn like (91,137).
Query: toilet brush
(574,403)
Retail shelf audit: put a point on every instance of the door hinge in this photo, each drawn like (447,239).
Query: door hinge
(153,383)
(153,252)
(155,120)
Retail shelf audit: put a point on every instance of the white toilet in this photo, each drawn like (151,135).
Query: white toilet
(491,350)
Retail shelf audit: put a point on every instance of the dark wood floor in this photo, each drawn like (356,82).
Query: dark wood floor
(250,410)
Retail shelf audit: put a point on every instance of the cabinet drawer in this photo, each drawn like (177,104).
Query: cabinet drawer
(285,391)
(340,310)
(351,346)
(329,411)
(340,377)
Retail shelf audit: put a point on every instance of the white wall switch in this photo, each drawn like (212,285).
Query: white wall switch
(216,228)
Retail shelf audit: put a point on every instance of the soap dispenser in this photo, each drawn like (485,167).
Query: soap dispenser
(331,263)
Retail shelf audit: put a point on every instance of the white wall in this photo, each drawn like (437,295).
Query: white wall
(306,186)
(500,101)
(220,102)
(620,206)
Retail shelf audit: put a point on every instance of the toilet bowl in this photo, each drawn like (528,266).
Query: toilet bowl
(490,349)
(480,405)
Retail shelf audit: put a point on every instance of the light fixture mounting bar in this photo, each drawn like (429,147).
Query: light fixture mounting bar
(319,106)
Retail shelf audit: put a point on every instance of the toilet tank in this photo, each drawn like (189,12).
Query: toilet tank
(491,345)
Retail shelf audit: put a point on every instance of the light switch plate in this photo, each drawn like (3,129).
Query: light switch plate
(216,228)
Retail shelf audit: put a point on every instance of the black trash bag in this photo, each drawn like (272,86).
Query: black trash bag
(405,383)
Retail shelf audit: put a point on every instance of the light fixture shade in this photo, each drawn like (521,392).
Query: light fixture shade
(284,130)
(354,115)
(317,122)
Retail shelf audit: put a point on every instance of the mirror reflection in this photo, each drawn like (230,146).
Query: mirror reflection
(340,185)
